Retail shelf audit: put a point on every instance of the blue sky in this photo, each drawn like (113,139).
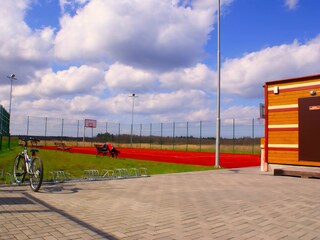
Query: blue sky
(82,59)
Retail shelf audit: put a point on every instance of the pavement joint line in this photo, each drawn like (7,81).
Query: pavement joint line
(246,205)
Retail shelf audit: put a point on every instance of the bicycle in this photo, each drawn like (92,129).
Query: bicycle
(23,165)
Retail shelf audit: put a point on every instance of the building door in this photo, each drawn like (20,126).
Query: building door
(309,129)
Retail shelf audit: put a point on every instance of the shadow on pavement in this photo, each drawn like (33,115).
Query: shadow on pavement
(70,217)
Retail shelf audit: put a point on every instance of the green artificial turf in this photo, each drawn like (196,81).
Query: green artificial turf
(75,163)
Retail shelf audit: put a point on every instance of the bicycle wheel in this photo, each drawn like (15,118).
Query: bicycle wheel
(36,174)
(19,169)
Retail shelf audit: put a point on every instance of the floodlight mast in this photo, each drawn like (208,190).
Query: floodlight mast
(217,160)
(11,77)
(132,113)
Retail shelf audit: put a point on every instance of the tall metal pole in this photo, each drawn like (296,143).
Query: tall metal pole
(11,77)
(217,162)
(132,113)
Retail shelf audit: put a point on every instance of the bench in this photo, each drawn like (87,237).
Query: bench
(35,143)
(61,146)
(101,150)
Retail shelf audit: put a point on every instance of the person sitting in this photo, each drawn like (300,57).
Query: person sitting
(112,150)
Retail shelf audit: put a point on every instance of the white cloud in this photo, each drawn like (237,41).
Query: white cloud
(120,31)
(65,5)
(70,82)
(234,112)
(207,4)
(197,77)
(164,106)
(22,50)
(110,49)
(245,76)
(125,78)
(291,4)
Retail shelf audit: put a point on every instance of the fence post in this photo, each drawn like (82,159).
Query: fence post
(119,134)
(62,128)
(45,130)
(28,126)
(173,134)
(140,134)
(252,135)
(150,134)
(200,138)
(233,134)
(161,135)
(187,135)
(78,127)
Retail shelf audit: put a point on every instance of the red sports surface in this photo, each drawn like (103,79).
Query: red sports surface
(227,160)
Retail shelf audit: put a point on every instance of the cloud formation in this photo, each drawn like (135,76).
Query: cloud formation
(291,4)
(245,76)
(120,31)
(103,51)
(22,50)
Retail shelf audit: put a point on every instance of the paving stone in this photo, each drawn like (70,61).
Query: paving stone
(219,205)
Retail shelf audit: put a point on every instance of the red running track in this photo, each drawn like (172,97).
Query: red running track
(180,157)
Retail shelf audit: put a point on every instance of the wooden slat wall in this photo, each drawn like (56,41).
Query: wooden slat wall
(283,111)
(285,117)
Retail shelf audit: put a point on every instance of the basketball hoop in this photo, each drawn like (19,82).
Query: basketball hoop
(89,123)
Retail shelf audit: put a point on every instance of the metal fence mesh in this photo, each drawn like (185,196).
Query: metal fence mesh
(237,135)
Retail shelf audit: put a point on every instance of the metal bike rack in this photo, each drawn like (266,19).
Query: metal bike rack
(108,174)
(58,176)
(91,174)
(119,173)
(10,178)
(144,172)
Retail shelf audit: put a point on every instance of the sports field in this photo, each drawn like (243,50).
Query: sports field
(227,160)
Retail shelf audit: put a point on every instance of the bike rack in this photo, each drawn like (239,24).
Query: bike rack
(91,174)
(144,172)
(10,178)
(120,173)
(108,174)
(61,176)
(58,176)
(133,172)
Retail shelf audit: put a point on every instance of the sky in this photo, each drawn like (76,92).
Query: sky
(84,58)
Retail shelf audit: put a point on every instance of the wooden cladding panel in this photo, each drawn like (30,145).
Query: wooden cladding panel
(298,88)
(294,82)
(286,117)
(288,157)
(283,137)
(283,157)
(285,98)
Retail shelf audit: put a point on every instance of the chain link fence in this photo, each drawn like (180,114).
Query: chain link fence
(237,135)
(4,127)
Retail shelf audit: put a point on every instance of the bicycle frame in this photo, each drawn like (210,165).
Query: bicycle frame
(27,159)
(32,165)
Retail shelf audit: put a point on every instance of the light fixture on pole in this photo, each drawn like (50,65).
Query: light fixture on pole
(11,77)
(217,160)
(132,113)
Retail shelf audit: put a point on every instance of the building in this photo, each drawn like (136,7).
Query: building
(292,123)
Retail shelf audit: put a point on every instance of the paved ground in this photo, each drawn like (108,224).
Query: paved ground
(224,204)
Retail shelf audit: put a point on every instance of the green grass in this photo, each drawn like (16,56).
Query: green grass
(75,164)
